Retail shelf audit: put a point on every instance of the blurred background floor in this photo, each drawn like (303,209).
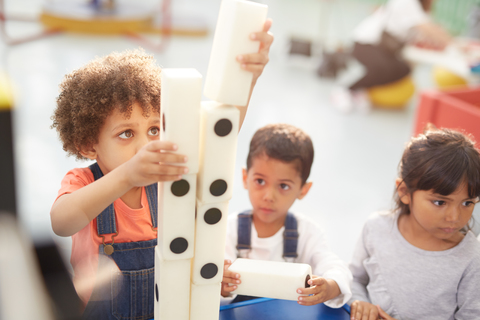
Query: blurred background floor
(356,154)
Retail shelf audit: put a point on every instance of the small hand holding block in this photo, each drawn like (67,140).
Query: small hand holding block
(271,279)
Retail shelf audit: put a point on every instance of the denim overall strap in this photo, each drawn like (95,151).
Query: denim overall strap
(244,234)
(290,238)
(105,220)
(152,193)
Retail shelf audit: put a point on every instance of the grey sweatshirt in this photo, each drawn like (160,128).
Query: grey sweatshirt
(411,283)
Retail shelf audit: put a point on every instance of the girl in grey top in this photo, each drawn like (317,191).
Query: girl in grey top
(420,261)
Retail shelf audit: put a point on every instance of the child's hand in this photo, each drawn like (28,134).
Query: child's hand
(320,291)
(430,36)
(154,163)
(383,314)
(361,310)
(229,277)
(255,62)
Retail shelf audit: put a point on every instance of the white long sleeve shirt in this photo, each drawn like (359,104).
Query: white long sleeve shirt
(312,249)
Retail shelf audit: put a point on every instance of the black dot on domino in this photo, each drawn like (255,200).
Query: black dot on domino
(180,188)
(179,245)
(306,281)
(163,122)
(223,127)
(212,216)
(209,271)
(218,187)
(156,291)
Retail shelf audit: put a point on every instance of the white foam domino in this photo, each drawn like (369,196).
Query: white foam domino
(226,81)
(210,234)
(205,303)
(180,105)
(218,148)
(271,279)
(176,217)
(172,288)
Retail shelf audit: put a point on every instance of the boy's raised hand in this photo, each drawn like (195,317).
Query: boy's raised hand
(229,277)
(154,162)
(320,290)
(362,310)
(256,62)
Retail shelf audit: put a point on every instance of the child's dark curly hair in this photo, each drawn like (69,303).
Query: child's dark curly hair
(90,94)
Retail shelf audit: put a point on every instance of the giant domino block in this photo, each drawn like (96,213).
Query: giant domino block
(180,105)
(176,217)
(205,303)
(172,288)
(226,81)
(211,230)
(271,279)
(218,145)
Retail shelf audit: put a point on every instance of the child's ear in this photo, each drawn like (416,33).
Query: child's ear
(88,152)
(402,190)
(244,177)
(304,190)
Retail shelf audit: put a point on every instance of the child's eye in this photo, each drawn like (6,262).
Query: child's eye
(154,131)
(260,182)
(126,134)
(468,203)
(438,202)
(284,186)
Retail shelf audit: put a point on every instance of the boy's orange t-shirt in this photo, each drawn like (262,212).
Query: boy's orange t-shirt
(132,225)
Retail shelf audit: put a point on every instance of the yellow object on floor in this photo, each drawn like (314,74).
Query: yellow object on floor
(6,92)
(446,79)
(98,26)
(394,95)
(125,18)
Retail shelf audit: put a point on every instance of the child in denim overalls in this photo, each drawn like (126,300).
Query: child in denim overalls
(109,111)
(278,166)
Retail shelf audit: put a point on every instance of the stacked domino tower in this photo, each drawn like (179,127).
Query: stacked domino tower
(180,123)
(192,212)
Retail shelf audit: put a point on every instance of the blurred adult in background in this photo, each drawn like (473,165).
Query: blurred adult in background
(378,42)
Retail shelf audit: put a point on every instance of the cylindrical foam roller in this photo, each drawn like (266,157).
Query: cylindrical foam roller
(271,279)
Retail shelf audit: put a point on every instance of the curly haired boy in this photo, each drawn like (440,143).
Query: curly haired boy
(109,111)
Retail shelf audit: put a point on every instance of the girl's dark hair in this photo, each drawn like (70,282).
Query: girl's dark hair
(90,94)
(439,160)
(283,142)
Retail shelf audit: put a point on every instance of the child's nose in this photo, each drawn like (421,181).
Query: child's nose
(453,214)
(269,194)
